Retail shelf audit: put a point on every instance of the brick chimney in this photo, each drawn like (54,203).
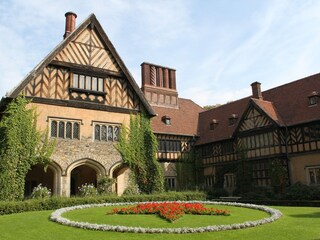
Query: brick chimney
(70,23)
(159,85)
(256,90)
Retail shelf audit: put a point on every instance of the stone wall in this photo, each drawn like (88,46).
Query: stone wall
(68,152)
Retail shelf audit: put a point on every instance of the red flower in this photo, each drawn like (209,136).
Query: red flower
(170,211)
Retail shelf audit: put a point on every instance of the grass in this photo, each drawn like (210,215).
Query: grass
(297,223)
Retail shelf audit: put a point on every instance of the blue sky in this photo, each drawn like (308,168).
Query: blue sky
(218,47)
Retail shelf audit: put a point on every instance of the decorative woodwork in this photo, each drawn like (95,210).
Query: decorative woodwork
(87,49)
(254,119)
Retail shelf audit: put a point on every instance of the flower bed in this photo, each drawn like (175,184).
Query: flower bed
(170,211)
(56,216)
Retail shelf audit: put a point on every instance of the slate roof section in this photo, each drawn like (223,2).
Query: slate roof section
(287,105)
(184,119)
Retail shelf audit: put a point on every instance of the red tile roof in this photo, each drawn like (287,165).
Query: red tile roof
(269,109)
(184,120)
(287,105)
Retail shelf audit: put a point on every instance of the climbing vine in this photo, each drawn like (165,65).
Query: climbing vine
(186,169)
(21,147)
(138,146)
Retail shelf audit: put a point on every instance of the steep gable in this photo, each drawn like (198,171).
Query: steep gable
(87,49)
(85,67)
(259,114)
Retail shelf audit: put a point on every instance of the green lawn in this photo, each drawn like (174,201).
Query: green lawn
(297,223)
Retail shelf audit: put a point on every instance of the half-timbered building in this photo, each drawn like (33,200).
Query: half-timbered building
(83,93)
(273,135)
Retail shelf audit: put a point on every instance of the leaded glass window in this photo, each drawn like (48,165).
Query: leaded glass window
(76,130)
(54,128)
(97,132)
(61,130)
(68,130)
(64,129)
(116,134)
(110,133)
(106,132)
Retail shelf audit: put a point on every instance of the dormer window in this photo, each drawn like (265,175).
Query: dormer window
(313,98)
(213,124)
(166,120)
(233,119)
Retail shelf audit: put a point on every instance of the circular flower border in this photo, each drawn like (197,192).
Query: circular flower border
(56,216)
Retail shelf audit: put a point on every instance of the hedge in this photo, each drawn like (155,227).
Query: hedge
(52,203)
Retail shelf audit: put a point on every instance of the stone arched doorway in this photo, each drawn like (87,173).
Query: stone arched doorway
(85,171)
(38,174)
(121,173)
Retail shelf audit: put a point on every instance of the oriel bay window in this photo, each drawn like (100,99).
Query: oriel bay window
(64,128)
(106,132)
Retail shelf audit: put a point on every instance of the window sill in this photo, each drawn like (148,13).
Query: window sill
(86,91)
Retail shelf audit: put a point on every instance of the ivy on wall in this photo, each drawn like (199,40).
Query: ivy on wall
(21,147)
(138,146)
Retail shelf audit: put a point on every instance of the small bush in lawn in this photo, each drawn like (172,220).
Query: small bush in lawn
(40,192)
(88,190)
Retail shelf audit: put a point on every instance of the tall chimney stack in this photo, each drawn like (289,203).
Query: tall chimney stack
(256,90)
(159,85)
(70,23)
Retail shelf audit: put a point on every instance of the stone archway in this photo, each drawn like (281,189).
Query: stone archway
(80,175)
(85,171)
(39,175)
(121,173)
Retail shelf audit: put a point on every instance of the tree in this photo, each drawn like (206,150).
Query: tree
(21,147)
(208,107)
(138,147)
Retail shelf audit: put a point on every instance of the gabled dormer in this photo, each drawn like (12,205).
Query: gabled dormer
(259,114)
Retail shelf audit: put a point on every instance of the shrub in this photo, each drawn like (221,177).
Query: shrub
(258,193)
(7,207)
(104,185)
(87,190)
(40,192)
(217,192)
(132,189)
(299,191)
